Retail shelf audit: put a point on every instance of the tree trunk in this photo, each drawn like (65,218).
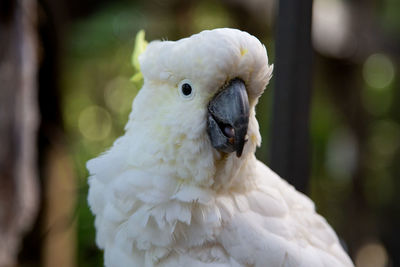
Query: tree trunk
(18,124)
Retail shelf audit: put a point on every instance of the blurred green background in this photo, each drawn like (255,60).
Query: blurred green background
(355,112)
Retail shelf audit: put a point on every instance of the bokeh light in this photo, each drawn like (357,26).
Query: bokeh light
(94,123)
(117,96)
(330,28)
(372,254)
(378,71)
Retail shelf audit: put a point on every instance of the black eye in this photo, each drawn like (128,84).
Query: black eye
(186,89)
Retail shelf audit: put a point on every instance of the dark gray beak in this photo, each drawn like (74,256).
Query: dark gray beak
(228,118)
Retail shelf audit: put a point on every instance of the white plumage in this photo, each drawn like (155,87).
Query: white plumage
(163,196)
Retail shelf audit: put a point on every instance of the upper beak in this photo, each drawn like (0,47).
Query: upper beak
(228,118)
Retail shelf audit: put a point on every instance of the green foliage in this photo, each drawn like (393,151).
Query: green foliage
(140,47)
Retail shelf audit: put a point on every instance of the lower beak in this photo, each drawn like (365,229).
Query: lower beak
(228,118)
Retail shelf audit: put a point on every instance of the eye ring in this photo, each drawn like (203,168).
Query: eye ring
(186,89)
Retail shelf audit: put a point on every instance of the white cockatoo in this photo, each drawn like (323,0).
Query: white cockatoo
(182,186)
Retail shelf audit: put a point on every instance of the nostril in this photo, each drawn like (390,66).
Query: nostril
(229,131)
(226,129)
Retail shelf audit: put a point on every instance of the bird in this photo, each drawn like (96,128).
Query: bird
(182,186)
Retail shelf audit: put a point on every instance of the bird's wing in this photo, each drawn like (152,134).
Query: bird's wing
(277,225)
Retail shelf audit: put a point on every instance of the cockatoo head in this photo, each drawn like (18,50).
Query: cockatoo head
(204,88)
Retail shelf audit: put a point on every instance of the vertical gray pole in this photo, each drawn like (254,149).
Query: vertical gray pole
(289,150)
